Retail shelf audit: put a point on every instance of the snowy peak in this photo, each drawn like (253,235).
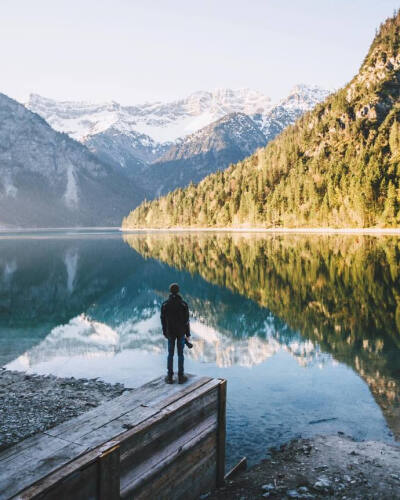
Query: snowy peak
(233,129)
(163,122)
(304,97)
(301,98)
(81,119)
(170,121)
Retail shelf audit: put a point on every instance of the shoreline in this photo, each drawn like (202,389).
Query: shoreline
(94,231)
(329,466)
(373,231)
(30,403)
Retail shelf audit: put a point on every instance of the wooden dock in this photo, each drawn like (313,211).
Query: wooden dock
(157,441)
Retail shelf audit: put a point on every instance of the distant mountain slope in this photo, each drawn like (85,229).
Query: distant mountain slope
(48,179)
(302,98)
(212,148)
(337,166)
(162,122)
(132,137)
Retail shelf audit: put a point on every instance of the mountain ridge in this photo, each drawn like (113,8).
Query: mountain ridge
(50,180)
(212,148)
(127,137)
(337,166)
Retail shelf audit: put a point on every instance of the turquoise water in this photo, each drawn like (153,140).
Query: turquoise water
(305,329)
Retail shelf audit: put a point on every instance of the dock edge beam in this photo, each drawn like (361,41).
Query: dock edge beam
(221,433)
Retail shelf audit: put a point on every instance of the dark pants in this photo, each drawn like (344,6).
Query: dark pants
(180,344)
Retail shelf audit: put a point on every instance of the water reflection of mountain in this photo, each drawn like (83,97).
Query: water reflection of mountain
(46,282)
(86,337)
(342,292)
(84,296)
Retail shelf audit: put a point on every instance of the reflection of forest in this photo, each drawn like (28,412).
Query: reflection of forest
(342,292)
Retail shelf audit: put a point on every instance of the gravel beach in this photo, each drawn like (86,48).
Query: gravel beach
(323,467)
(34,403)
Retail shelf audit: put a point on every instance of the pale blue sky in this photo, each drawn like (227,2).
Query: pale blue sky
(133,51)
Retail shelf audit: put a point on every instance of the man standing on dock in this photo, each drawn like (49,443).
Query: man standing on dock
(176,327)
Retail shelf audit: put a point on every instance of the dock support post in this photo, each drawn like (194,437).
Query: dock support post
(109,472)
(221,433)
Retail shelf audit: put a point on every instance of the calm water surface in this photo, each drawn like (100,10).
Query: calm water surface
(306,329)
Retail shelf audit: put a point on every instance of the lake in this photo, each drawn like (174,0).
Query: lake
(306,329)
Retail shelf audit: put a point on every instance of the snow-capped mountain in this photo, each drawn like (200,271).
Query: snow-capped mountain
(48,179)
(166,122)
(161,146)
(212,148)
(302,98)
(162,122)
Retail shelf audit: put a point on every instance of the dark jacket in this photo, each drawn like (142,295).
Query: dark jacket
(175,317)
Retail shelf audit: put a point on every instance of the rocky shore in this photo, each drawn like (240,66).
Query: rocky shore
(334,467)
(34,403)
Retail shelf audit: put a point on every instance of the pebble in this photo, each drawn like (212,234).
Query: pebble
(34,403)
(322,483)
(268,487)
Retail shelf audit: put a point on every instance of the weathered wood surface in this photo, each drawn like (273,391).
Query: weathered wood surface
(77,480)
(221,433)
(155,426)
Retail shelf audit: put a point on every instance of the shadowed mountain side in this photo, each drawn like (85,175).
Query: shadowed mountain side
(49,180)
(211,148)
(339,292)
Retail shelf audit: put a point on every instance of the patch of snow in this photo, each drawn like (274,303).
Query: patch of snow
(71,265)
(71,191)
(9,188)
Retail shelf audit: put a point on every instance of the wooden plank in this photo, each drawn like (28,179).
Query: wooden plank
(177,475)
(221,433)
(82,485)
(189,397)
(47,460)
(108,474)
(239,467)
(200,478)
(110,410)
(155,391)
(113,429)
(43,448)
(149,468)
(71,469)
(93,419)
(140,415)
(31,468)
(166,426)
(161,401)
(22,446)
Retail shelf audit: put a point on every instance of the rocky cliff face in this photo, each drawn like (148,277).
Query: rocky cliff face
(49,180)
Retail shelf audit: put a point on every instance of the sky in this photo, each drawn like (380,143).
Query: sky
(133,51)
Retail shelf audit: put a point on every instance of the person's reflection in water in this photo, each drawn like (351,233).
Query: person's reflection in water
(176,328)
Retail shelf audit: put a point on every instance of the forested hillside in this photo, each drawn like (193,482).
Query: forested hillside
(336,166)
